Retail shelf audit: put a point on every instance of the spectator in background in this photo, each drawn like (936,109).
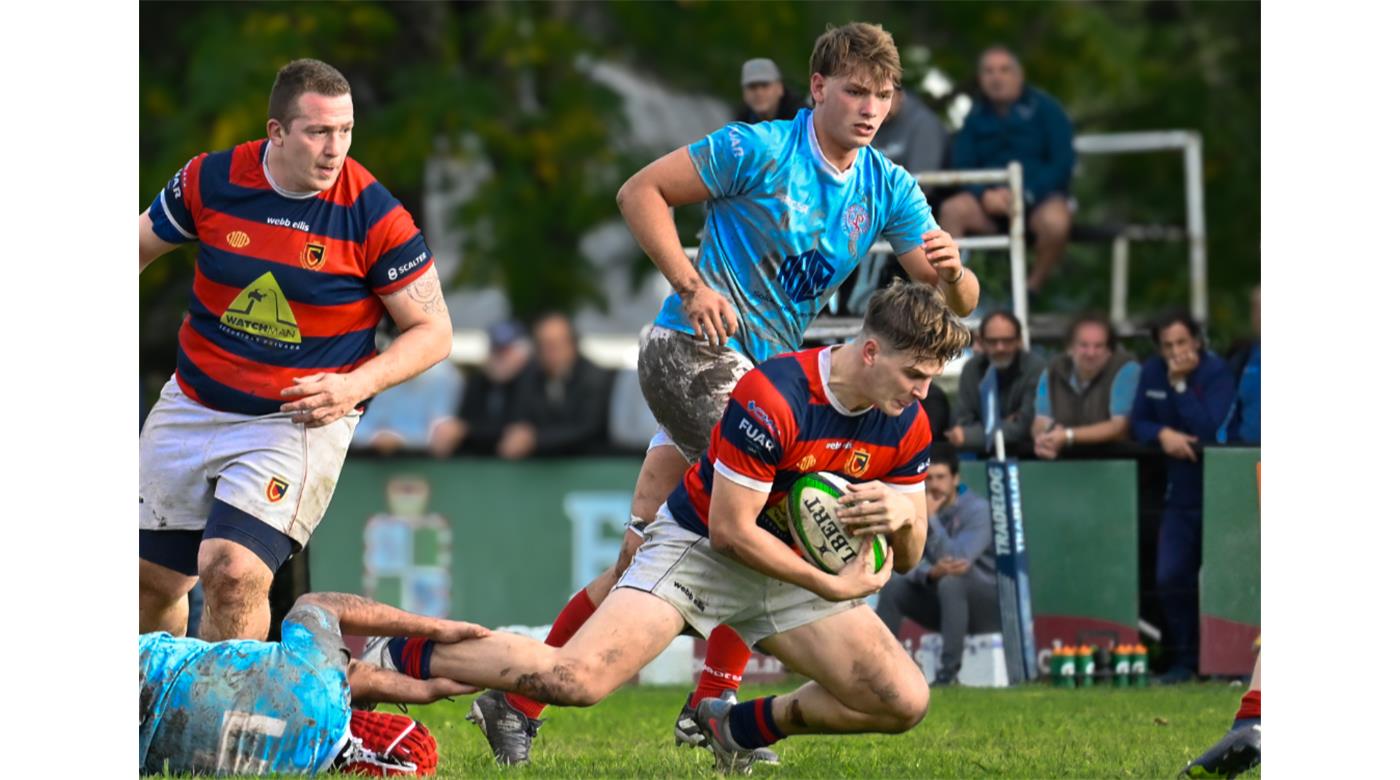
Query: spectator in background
(997,388)
(1085,395)
(563,402)
(415,416)
(489,401)
(1013,121)
(766,97)
(1242,426)
(912,136)
(1183,397)
(953,590)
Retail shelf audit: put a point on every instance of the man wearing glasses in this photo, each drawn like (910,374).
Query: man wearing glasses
(997,388)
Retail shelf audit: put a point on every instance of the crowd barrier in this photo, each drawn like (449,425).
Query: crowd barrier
(503,543)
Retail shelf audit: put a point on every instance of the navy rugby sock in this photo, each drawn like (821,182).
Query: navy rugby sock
(412,655)
(751,724)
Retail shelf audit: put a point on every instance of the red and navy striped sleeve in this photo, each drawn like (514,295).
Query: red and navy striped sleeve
(395,252)
(758,425)
(913,455)
(175,211)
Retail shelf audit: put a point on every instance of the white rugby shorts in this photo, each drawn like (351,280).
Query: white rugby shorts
(281,472)
(710,589)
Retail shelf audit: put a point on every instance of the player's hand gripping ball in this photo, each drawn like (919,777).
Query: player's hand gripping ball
(823,538)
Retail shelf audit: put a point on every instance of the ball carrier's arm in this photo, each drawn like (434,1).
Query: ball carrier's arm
(870,509)
(734,531)
(645,201)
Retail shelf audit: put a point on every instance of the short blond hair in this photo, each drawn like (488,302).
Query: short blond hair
(913,317)
(857,48)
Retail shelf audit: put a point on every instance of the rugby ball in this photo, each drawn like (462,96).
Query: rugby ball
(822,537)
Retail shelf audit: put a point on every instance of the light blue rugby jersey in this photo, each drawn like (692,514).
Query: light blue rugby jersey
(784,229)
(244,706)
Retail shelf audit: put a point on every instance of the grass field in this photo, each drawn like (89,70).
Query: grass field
(1029,732)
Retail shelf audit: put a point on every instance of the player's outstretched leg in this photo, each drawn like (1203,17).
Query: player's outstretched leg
(1238,750)
(510,721)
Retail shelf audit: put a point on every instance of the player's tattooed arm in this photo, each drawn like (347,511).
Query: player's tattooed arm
(359,615)
(426,291)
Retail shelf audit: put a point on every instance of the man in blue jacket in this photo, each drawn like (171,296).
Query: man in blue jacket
(1013,121)
(1183,396)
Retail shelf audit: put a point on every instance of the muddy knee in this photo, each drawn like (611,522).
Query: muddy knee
(910,709)
(235,579)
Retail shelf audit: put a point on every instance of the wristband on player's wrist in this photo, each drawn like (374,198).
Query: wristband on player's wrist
(955,279)
(1069,437)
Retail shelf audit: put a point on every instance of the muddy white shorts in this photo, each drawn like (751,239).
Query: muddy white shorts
(280,472)
(708,588)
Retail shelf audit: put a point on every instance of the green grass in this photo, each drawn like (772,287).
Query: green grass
(1029,732)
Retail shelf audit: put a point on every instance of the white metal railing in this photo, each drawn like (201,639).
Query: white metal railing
(1189,142)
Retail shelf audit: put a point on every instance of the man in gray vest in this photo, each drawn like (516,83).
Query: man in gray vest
(953,590)
(997,388)
(1085,395)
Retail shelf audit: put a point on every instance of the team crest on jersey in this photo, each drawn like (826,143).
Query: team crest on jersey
(238,239)
(313,256)
(856,220)
(807,463)
(803,277)
(276,489)
(262,311)
(858,463)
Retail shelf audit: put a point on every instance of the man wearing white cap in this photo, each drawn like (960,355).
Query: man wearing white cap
(766,97)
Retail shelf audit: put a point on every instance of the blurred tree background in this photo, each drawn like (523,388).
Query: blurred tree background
(505,84)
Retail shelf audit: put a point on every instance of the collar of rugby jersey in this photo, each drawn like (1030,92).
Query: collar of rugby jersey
(267,172)
(824,369)
(820,156)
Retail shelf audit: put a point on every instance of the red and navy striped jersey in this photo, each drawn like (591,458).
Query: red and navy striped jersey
(782,421)
(284,286)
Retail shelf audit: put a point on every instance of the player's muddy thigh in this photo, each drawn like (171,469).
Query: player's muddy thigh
(625,634)
(686,384)
(862,680)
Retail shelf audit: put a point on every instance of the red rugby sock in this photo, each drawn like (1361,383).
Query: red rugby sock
(570,619)
(726,655)
(1249,706)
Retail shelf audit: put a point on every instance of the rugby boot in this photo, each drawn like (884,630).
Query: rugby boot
(712,715)
(509,732)
(1236,752)
(376,653)
(688,730)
